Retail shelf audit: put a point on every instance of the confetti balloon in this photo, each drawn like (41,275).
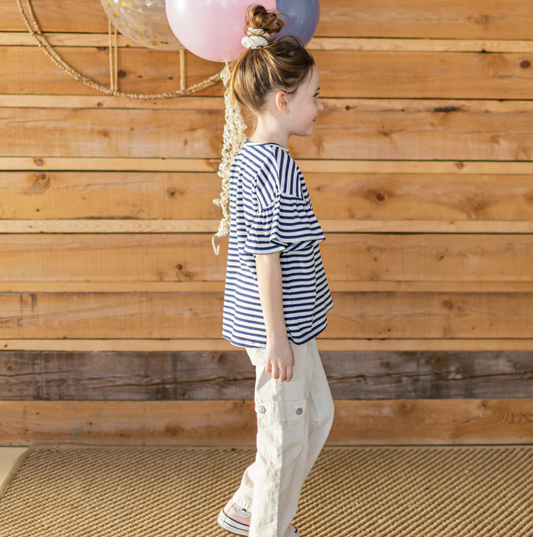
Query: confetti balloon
(143,21)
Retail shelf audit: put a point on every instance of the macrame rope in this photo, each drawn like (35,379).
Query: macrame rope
(43,44)
(233,140)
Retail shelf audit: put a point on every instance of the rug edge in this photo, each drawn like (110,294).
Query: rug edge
(14,470)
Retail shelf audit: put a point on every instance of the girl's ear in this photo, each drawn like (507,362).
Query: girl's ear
(282,102)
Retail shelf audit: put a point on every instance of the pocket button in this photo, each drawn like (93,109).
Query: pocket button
(262,409)
(299,411)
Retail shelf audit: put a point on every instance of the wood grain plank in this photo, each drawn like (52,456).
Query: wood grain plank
(402,422)
(219,344)
(65,39)
(383,286)
(229,375)
(448,134)
(476,19)
(134,196)
(105,226)
(347,257)
(26,69)
(344,73)
(133,164)
(199,315)
(144,202)
(417,18)
(100,102)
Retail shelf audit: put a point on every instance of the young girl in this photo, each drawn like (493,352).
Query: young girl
(276,295)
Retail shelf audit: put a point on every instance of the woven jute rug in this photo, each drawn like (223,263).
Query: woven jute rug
(386,491)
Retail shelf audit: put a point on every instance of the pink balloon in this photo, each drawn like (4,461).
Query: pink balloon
(211,29)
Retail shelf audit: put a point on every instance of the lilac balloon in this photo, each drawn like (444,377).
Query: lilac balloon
(212,29)
(303,18)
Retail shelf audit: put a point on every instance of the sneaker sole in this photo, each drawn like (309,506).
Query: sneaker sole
(231,525)
(237,528)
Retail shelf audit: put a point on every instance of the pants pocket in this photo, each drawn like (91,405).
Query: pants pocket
(280,429)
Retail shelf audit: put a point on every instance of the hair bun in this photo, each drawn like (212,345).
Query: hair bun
(263,23)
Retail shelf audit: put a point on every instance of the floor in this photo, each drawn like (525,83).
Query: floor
(352,491)
(8,457)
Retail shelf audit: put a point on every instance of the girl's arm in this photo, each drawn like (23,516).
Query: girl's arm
(279,356)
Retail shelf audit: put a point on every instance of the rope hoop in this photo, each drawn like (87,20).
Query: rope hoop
(43,44)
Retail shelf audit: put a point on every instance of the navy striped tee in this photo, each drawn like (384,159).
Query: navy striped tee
(271,211)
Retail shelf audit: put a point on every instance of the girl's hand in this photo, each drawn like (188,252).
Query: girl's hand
(279,360)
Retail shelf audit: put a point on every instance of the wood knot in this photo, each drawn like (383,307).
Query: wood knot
(480,19)
(447,109)
(373,194)
(447,304)
(41,184)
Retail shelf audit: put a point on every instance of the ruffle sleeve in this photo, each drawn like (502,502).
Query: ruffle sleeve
(288,222)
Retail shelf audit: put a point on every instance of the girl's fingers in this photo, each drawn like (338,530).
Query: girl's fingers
(282,374)
(289,373)
(286,374)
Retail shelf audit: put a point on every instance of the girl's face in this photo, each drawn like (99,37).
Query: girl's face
(305,106)
(297,112)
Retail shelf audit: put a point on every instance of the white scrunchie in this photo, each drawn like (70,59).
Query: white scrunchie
(256,40)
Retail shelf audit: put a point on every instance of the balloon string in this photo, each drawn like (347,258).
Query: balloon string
(113,66)
(182,68)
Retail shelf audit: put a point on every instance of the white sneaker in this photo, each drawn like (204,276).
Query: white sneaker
(236,520)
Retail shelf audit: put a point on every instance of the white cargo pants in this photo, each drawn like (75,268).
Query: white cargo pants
(293,421)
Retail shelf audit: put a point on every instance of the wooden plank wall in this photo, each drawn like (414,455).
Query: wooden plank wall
(420,171)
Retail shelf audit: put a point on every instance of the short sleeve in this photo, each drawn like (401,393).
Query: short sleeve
(287,222)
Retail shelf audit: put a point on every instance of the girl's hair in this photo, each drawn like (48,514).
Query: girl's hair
(282,64)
